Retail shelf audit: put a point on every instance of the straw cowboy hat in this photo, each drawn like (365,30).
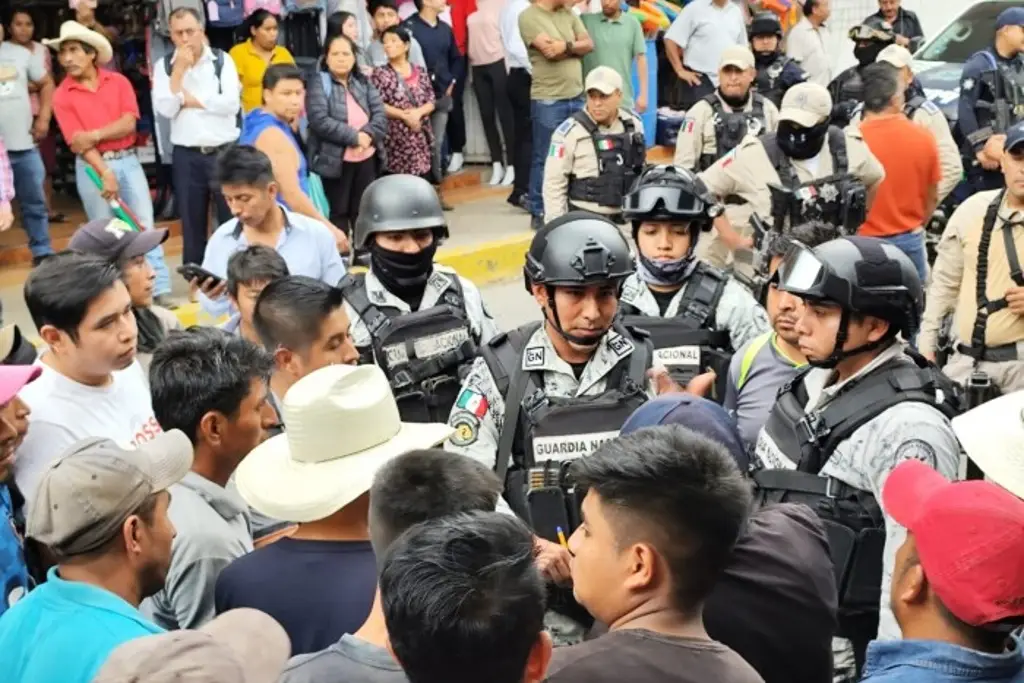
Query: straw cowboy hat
(342,425)
(992,435)
(72,30)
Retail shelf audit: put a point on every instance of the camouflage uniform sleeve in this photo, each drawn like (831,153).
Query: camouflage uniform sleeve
(484,326)
(690,142)
(476,417)
(740,313)
(356,328)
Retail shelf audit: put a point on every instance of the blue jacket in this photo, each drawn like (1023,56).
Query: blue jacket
(929,661)
(257,121)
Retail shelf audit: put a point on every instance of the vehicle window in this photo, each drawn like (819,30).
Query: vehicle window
(970,33)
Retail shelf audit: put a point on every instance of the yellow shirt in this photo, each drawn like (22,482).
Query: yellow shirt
(251,67)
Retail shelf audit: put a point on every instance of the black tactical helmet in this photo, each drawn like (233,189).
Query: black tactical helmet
(670,193)
(862,275)
(765,24)
(399,202)
(577,249)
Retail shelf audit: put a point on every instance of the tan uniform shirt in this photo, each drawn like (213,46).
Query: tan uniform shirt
(572,153)
(955,277)
(747,171)
(931,117)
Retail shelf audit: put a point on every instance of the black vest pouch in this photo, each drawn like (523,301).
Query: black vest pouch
(687,350)
(620,158)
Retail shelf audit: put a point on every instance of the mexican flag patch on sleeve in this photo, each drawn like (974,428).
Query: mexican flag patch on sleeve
(472,402)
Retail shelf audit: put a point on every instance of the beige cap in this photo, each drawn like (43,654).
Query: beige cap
(604,79)
(240,646)
(87,493)
(807,104)
(897,55)
(738,56)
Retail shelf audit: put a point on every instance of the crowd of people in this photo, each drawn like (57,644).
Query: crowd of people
(755,434)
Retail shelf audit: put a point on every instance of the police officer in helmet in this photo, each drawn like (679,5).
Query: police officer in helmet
(420,321)
(847,89)
(992,100)
(866,403)
(776,73)
(697,315)
(596,154)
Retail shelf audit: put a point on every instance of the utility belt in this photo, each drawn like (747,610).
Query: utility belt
(853,524)
(1004,353)
(119,154)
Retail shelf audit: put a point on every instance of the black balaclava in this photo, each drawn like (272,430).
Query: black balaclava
(867,52)
(735,102)
(798,142)
(404,275)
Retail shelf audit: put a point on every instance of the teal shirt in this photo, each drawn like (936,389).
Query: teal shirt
(616,44)
(63,632)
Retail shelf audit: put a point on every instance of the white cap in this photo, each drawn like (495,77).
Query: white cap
(807,104)
(897,55)
(738,56)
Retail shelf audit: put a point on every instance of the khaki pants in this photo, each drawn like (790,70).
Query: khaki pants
(1007,375)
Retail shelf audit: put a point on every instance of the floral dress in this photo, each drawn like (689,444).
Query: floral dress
(408,151)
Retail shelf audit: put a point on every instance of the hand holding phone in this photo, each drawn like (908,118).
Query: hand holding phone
(212,286)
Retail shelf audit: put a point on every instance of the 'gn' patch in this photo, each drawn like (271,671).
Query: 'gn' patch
(535,357)
(620,346)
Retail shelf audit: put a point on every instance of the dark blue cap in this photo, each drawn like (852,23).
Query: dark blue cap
(1014,16)
(1014,136)
(700,415)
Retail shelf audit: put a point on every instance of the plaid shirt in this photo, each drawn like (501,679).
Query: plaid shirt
(6,176)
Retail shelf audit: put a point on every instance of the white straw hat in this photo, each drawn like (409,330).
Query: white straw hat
(72,30)
(341,426)
(992,435)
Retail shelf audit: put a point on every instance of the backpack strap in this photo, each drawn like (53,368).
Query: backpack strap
(987,307)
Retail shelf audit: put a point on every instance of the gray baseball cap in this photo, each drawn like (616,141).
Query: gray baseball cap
(240,646)
(115,240)
(87,493)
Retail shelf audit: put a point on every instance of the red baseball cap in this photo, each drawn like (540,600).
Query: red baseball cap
(970,540)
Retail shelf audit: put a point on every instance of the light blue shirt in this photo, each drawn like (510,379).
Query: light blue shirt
(64,631)
(306,245)
(928,661)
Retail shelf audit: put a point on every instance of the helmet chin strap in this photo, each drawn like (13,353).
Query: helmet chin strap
(838,353)
(557,324)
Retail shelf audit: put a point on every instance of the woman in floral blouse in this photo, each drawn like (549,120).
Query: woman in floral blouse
(408,100)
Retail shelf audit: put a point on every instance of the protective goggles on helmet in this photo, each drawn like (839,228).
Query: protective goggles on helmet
(803,274)
(869,33)
(666,201)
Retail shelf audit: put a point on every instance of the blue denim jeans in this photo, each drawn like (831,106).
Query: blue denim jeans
(912,244)
(928,661)
(29,176)
(547,115)
(135,193)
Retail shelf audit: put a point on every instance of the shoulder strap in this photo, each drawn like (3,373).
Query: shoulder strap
(630,374)
(581,118)
(218,67)
(716,104)
(702,294)
(503,356)
(985,306)
(912,105)
(780,162)
(837,145)
(748,358)
(758,108)
(353,289)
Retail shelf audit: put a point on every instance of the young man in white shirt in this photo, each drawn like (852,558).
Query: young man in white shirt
(808,42)
(197,88)
(92,383)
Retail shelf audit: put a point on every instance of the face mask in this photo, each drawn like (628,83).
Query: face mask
(402,273)
(868,53)
(798,142)
(665,273)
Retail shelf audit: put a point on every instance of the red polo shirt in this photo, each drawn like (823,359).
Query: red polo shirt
(461,9)
(79,109)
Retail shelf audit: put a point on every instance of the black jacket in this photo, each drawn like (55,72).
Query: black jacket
(329,132)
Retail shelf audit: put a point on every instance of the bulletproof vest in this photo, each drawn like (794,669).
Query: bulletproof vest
(732,126)
(620,158)
(424,354)
(847,92)
(767,80)
(795,445)
(1006,82)
(840,199)
(542,433)
(689,342)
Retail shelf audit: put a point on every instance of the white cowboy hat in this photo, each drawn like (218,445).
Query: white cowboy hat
(72,30)
(342,425)
(992,435)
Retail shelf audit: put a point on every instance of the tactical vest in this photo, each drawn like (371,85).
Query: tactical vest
(732,126)
(767,80)
(795,445)
(543,433)
(424,354)
(620,158)
(847,92)
(840,199)
(1007,87)
(689,342)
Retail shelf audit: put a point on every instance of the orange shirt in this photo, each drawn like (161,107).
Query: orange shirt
(910,157)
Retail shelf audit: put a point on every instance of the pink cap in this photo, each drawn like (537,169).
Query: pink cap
(14,377)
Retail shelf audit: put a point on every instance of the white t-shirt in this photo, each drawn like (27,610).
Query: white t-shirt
(64,411)
(704,30)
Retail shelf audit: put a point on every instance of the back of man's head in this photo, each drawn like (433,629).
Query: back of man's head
(426,484)
(881,84)
(464,602)
(291,310)
(678,493)
(254,265)
(60,290)
(203,370)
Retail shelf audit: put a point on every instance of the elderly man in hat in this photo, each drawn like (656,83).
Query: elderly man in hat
(97,112)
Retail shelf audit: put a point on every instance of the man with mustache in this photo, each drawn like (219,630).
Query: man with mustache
(762,365)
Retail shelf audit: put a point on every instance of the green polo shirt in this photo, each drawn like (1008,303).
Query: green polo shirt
(617,42)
